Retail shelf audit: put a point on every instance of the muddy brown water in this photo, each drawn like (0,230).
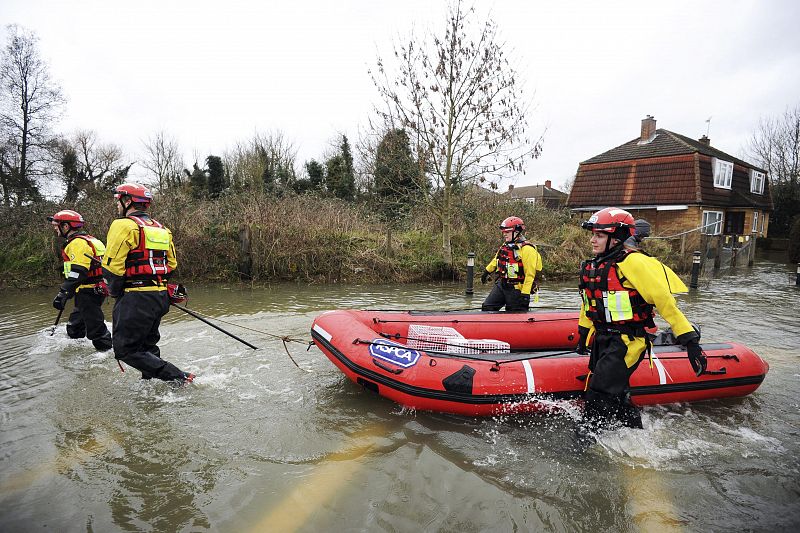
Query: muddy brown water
(255,444)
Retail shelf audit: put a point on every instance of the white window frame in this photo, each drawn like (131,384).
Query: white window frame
(707,228)
(531,200)
(723,173)
(757,180)
(755,222)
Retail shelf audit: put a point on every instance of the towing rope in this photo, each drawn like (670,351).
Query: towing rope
(283,338)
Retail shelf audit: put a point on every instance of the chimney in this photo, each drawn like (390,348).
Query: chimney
(510,187)
(705,140)
(648,129)
(548,184)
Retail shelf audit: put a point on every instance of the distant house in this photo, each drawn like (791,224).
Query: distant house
(544,195)
(677,184)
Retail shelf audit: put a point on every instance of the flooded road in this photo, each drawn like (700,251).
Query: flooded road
(256,444)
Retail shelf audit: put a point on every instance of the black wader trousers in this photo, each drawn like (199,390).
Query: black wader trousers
(607,398)
(137,316)
(87,320)
(504,294)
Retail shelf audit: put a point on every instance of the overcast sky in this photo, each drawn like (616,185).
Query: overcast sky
(214,73)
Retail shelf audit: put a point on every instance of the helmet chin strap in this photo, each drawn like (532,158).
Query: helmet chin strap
(124,208)
(610,250)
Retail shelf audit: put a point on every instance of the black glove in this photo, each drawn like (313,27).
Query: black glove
(115,284)
(60,301)
(583,336)
(524,300)
(696,357)
(485,276)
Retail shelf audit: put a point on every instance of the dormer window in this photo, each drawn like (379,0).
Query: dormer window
(757,180)
(723,173)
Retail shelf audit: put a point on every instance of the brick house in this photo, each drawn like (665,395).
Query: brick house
(544,195)
(677,184)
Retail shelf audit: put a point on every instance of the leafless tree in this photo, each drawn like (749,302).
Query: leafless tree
(88,165)
(163,158)
(776,147)
(264,162)
(30,102)
(461,102)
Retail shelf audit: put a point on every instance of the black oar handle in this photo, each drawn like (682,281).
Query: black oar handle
(201,319)
(55,324)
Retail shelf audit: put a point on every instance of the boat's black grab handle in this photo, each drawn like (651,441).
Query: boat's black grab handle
(719,372)
(388,369)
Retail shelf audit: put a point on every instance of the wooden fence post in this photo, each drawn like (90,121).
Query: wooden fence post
(245,266)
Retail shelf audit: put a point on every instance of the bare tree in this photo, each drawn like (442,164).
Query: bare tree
(163,158)
(88,165)
(29,104)
(776,147)
(265,162)
(460,100)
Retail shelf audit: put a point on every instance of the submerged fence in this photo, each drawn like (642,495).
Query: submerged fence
(715,251)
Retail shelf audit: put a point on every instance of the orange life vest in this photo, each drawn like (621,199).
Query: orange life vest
(606,300)
(509,263)
(148,261)
(95,273)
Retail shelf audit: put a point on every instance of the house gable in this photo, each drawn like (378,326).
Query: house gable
(663,168)
(653,181)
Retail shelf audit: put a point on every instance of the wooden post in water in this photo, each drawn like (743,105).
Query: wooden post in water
(245,266)
(695,270)
(470,272)
(718,252)
(751,257)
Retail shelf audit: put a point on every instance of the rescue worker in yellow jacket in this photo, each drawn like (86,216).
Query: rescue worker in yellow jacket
(82,254)
(620,288)
(139,258)
(519,268)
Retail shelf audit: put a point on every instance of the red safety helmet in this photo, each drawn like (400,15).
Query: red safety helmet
(138,193)
(72,218)
(617,222)
(512,223)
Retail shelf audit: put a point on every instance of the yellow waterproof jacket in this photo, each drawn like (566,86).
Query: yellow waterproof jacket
(656,283)
(77,256)
(123,236)
(531,263)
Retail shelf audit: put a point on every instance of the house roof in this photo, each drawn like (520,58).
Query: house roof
(653,181)
(669,170)
(665,143)
(536,191)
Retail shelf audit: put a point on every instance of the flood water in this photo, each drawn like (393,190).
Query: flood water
(256,444)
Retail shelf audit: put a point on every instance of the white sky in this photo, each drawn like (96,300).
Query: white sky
(213,73)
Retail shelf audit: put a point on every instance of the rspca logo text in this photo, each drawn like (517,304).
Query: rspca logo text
(394,353)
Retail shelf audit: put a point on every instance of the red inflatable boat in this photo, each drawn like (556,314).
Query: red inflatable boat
(478,363)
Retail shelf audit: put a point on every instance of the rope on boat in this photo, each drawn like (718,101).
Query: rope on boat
(439,343)
(464,356)
(530,320)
